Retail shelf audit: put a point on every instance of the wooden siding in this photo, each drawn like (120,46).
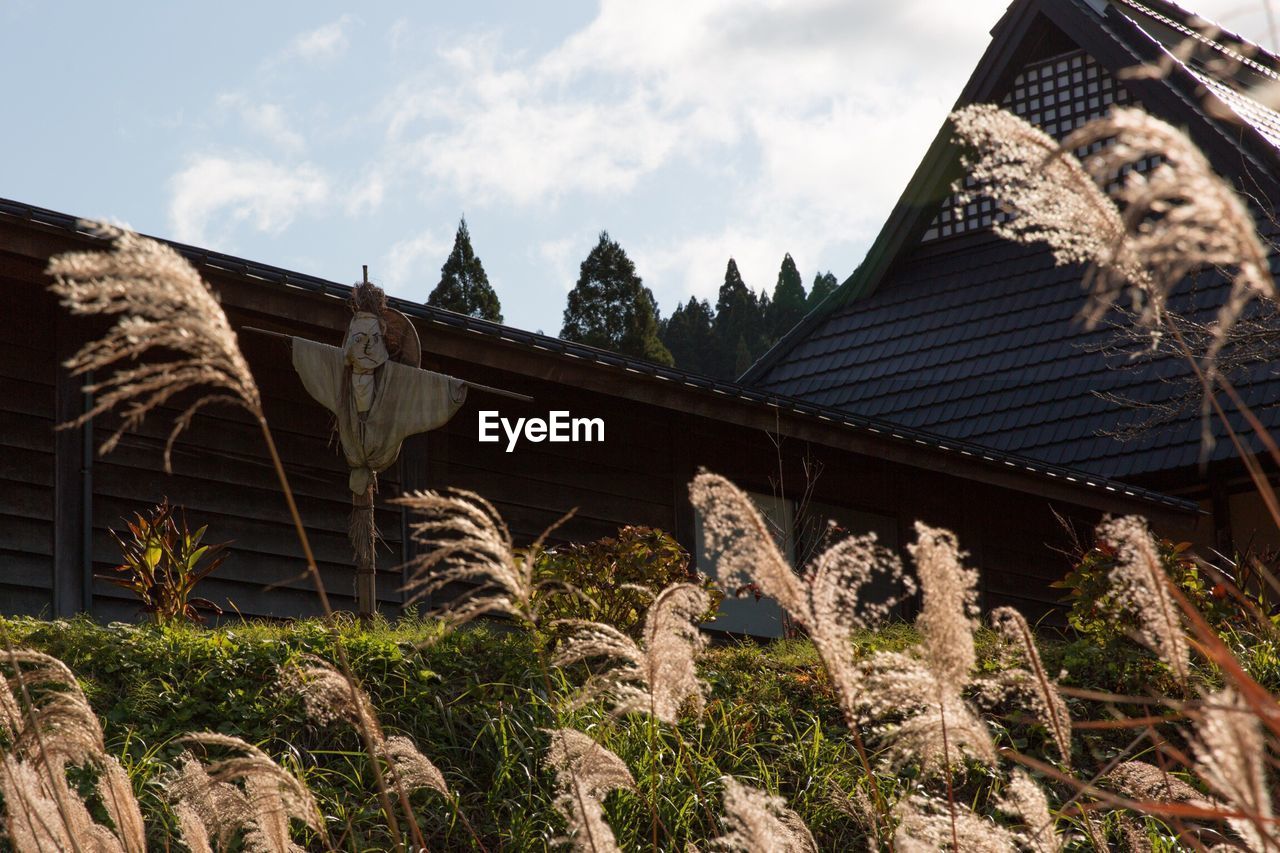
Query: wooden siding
(656,438)
(27,372)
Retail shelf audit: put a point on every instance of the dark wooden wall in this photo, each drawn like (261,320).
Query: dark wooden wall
(27,380)
(221,473)
(627,479)
(640,475)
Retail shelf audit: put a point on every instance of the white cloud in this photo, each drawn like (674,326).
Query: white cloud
(221,191)
(266,120)
(365,196)
(269,121)
(412,266)
(808,116)
(323,43)
(397,35)
(558,254)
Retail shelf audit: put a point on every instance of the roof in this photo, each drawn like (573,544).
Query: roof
(949,329)
(890,435)
(1237,73)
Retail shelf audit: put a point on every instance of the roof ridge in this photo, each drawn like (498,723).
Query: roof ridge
(1192,33)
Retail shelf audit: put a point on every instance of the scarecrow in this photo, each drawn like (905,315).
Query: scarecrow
(380,396)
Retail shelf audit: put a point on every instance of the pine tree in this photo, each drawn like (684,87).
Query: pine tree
(824,284)
(611,308)
(739,327)
(688,334)
(463,286)
(788,305)
(742,358)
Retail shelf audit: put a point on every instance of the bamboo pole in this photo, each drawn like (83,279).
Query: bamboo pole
(488,389)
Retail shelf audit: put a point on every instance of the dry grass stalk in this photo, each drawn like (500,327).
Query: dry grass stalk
(1043,697)
(166,308)
(59,729)
(759,822)
(409,767)
(1139,780)
(1025,800)
(465,541)
(122,806)
(327,695)
(856,805)
(1179,216)
(1165,222)
(825,599)
(1049,195)
(207,811)
(191,829)
(42,813)
(940,725)
(261,808)
(657,678)
(1231,757)
(927,825)
(585,772)
(1142,586)
(949,605)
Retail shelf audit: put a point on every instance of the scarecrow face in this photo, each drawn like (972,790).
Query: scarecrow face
(366,348)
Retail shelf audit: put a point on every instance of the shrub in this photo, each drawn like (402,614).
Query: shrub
(610,577)
(1099,614)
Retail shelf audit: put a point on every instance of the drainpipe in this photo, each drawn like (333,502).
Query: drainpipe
(86,500)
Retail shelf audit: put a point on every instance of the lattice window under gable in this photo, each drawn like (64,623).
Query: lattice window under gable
(1058,94)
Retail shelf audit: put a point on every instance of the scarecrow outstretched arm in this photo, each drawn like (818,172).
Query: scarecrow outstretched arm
(488,389)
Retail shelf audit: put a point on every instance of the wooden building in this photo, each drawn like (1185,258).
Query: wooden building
(948,328)
(58,498)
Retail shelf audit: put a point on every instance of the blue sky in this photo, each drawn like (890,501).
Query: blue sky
(320,136)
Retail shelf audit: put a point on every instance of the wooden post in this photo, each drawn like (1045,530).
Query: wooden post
(364,540)
(1220,506)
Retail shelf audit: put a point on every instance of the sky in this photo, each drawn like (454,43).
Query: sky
(320,136)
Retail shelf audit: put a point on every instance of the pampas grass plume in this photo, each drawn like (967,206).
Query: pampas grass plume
(165,308)
(1142,586)
(1231,756)
(585,772)
(759,822)
(270,795)
(1046,702)
(658,678)
(465,541)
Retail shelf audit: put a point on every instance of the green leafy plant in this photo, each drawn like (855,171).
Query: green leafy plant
(163,561)
(1097,611)
(609,577)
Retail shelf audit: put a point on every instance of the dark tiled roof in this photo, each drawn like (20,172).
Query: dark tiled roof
(981,343)
(883,429)
(978,339)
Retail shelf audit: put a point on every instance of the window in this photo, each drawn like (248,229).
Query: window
(746,614)
(798,540)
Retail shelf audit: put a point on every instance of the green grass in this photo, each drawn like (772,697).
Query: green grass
(475,702)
